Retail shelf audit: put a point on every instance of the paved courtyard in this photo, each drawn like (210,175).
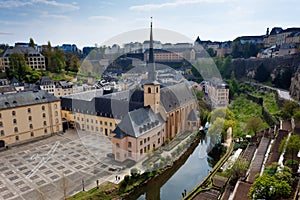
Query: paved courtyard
(48,168)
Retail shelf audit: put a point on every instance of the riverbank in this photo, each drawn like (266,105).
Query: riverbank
(207,183)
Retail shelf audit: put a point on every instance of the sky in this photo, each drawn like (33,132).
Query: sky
(90,22)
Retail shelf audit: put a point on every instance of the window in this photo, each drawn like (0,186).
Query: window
(92,128)
(145,140)
(149,90)
(105,123)
(45,123)
(1,124)
(87,127)
(14,121)
(16,129)
(97,129)
(0,115)
(148,139)
(129,154)
(2,132)
(55,106)
(81,119)
(13,113)
(100,122)
(29,110)
(56,113)
(44,115)
(141,151)
(43,107)
(32,134)
(129,144)
(141,142)
(87,120)
(17,138)
(148,147)
(30,126)
(45,130)
(158,141)
(82,126)
(157,90)
(29,118)
(91,120)
(117,145)
(110,124)
(96,121)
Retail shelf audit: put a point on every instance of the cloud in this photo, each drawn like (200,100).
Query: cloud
(18,3)
(54,16)
(101,17)
(175,3)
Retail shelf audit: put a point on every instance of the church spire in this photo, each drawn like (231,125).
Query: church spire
(151,65)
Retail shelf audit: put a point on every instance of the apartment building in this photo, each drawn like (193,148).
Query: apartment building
(218,92)
(34,59)
(26,116)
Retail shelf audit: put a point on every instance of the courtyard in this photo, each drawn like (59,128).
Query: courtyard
(56,166)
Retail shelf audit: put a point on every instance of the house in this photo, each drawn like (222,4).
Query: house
(46,84)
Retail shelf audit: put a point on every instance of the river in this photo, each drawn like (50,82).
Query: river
(184,175)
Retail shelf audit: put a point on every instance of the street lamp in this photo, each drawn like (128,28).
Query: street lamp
(82,184)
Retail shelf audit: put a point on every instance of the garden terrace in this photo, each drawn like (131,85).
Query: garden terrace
(275,154)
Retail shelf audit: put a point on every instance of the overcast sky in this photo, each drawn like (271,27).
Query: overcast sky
(88,22)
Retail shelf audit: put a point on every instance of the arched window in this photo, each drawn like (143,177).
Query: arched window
(44,115)
(16,129)
(157,90)
(149,90)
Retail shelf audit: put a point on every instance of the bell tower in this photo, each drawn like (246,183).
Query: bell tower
(152,87)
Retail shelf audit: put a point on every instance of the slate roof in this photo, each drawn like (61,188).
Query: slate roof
(115,105)
(64,84)
(138,122)
(45,80)
(22,50)
(192,116)
(25,98)
(174,96)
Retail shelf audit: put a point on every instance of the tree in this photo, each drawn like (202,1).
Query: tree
(224,113)
(238,169)
(211,52)
(18,66)
(74,63)
(31,43)
(292,146)
(254,124)
(288,109)
(296,115)
(272,185)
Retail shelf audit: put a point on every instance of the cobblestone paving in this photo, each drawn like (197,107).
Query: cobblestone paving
(44,169)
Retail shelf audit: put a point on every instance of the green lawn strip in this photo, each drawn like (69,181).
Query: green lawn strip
(106,190)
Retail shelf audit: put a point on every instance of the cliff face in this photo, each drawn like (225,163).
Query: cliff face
(279,71)
(295,85)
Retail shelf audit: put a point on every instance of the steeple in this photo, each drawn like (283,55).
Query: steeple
(151,65)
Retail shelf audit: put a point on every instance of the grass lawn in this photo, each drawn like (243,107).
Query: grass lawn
(244,109)
(106,191)
(269,102)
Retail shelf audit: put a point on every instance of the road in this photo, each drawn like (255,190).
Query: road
(282,93)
